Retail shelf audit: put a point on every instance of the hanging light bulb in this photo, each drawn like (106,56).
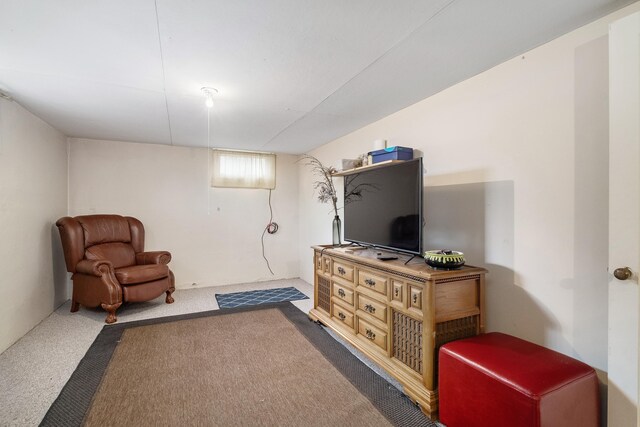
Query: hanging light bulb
(209,92)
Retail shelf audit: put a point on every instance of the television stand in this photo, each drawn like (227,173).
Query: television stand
(412,257)
(398,315)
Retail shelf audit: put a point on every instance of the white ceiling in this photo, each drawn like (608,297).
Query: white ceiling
(291,74)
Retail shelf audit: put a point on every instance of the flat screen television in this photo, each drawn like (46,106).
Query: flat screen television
(383,207)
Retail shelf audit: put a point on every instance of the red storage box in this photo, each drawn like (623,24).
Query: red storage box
(499,380)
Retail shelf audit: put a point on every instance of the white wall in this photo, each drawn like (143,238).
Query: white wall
(33,195)
(517,171)
(214,238)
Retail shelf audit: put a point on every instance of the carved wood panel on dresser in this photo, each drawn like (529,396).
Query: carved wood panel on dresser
(398,315)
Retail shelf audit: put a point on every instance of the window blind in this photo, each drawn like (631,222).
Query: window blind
(243,169)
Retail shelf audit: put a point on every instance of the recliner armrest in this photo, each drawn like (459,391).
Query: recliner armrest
(153,257)
(96,267)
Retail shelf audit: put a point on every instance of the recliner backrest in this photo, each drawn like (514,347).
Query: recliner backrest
(112,237)
(104,229)
(108,237)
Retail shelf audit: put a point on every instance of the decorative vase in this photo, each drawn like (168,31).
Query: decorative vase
(337,226)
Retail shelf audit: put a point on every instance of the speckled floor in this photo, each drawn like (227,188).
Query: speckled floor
(34,369)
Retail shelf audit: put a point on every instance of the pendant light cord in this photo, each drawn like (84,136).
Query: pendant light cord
(208,161)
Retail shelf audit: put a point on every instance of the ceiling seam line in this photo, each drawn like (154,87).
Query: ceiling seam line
(164,82)
(82,79)
(438,12)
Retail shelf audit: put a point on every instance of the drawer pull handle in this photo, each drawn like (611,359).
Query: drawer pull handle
(370,282)
(370,334)
(341,316)
(341,293)
(415,298)
(368,307)
(396,292)
(341,271)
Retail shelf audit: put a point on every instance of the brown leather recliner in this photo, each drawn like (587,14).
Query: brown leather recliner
(106,255)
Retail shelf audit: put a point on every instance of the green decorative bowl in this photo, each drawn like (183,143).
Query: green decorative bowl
(443,258)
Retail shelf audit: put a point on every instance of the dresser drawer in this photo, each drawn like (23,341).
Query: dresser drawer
(343,293)
(456,299)
(343,315)
(373,281)
(415,297)
(326,264)
(397,291)
(373,307)
(343,270)
(373,334)
(318,262)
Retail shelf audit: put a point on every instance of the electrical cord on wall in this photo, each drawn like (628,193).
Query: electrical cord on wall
(271,228)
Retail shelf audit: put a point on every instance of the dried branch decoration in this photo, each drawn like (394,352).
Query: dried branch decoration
(324,186)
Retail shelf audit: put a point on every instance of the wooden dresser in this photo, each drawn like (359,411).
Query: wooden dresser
(398,315)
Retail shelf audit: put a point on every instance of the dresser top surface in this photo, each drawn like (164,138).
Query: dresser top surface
(416,267)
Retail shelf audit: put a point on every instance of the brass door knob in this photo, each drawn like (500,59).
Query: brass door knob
(623,273)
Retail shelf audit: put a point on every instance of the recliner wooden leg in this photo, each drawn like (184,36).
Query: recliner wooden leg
(111,312)
(169,298)
(74,306)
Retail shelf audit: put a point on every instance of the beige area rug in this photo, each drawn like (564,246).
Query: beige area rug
(257,366)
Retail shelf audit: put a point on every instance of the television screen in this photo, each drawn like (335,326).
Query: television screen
(383,207)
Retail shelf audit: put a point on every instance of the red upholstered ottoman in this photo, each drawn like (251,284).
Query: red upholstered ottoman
(499,380)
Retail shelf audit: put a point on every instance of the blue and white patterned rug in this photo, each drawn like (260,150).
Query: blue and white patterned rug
(239,299)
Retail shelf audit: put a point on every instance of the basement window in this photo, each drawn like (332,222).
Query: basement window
(243,169)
